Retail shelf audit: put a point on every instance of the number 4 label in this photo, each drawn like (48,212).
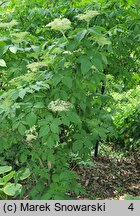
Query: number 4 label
(131,207)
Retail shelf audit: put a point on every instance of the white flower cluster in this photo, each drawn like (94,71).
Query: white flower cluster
(19,37)
(88,15)
(60,24)
(8,25)
(31,134)
(59,106)
(36,65)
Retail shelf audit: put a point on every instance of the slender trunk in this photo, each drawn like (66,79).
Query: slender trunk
(97,143)
(96,149)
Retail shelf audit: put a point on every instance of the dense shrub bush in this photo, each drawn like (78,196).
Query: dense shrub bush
(127,119)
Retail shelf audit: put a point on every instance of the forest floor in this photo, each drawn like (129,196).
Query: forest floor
(106,178)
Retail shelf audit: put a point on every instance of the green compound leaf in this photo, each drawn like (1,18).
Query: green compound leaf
(24,173)
(21,129)
(97,62)
(31,119)
(68,81)
(44,130)
(80,35)
(85,64)
(23,158)
(22,93)
(54,128)
(77,145)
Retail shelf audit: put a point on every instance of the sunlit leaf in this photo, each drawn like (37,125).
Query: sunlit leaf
(24,173)
(4,169)
(8,177)
(12,189)
(13,49)
(2,63)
